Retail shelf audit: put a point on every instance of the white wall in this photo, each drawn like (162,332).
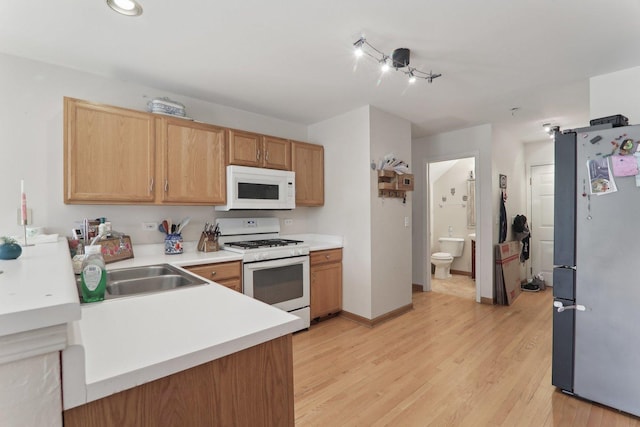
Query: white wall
(474,141)
(390,239)
(614,93)
(347,207)
(377,246)
(453,212)
(31,132)
(539,153)
(508,159)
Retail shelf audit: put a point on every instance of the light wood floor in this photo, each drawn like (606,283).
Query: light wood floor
(448,362)
(458,285)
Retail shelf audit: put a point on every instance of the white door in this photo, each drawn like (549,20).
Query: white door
(541,221)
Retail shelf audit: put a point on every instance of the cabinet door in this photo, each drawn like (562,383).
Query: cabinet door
(234,284)
(245,148)
(193,162)
(308,163)
(109,154)
(326,289)
(277,153)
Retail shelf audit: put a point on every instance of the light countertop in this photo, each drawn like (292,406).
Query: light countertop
(36,290)
(318,242)
(125,342)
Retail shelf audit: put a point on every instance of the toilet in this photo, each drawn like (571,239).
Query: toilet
(450,247)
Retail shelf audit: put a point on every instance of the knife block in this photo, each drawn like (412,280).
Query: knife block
(208,243)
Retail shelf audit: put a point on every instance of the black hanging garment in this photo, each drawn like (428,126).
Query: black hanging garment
(521,232)
(503,220)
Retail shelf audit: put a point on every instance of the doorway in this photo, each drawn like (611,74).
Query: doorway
(451,213)
(541,221)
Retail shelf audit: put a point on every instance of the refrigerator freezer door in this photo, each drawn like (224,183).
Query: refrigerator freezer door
(607,338)
(563,346)
(564,232)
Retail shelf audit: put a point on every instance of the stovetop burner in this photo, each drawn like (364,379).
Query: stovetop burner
(266,243)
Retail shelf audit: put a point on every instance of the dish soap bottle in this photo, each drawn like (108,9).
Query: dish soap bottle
(94,274)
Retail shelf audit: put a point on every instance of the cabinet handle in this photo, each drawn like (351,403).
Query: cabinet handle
(327,256)
(166,185)
(266,155)
(151,186)
(213,273)
(258,154)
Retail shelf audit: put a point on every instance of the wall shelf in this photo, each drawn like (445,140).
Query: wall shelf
(391,184)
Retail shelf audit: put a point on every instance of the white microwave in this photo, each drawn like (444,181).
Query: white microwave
(259,188)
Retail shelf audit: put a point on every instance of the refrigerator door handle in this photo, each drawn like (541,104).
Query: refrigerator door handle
(561,307)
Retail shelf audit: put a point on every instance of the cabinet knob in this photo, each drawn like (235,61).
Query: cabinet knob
(327,256)
(213,273)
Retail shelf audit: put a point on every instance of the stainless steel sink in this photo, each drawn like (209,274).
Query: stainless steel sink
(145,279)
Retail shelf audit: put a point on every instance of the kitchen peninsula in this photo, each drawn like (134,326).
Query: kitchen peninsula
(205,355)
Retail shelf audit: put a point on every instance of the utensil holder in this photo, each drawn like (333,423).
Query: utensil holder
(208,243)
(173,244)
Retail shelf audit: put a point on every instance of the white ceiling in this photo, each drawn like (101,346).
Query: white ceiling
(293,59)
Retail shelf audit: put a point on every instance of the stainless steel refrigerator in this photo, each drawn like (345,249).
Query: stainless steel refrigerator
(596,281)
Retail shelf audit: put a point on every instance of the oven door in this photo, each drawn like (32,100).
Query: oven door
(283,283)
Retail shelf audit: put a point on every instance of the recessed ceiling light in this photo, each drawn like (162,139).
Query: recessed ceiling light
(125,7)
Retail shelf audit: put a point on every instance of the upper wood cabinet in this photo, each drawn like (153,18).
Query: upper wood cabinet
(307,162)
(192,162)
(115,155)
(252,149)
(119,156)
(109,154)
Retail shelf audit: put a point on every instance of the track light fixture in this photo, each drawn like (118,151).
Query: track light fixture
(399,60)
(551,129)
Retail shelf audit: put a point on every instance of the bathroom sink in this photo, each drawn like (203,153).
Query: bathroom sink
(145,279)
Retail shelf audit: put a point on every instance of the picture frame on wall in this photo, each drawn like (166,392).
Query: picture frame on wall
(503,181)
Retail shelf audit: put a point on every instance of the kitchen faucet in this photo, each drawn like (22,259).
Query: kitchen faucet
(121,247)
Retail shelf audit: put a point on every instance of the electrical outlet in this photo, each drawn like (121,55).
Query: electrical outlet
(288,221)
(150,226)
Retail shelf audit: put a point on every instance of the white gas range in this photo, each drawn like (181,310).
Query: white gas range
(275,270)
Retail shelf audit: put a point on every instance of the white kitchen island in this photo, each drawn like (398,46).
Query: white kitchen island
(133,344)
(36,303)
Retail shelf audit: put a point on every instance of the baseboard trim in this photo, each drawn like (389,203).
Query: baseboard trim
(485,300)
(370,323)
(461,273)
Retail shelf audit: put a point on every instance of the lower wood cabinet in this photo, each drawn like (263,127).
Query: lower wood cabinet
(228,274)
(326,282)
(253,387)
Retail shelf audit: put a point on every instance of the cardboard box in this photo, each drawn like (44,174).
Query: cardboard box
(507,278)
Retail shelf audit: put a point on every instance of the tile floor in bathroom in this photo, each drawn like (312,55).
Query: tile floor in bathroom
(457,285)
